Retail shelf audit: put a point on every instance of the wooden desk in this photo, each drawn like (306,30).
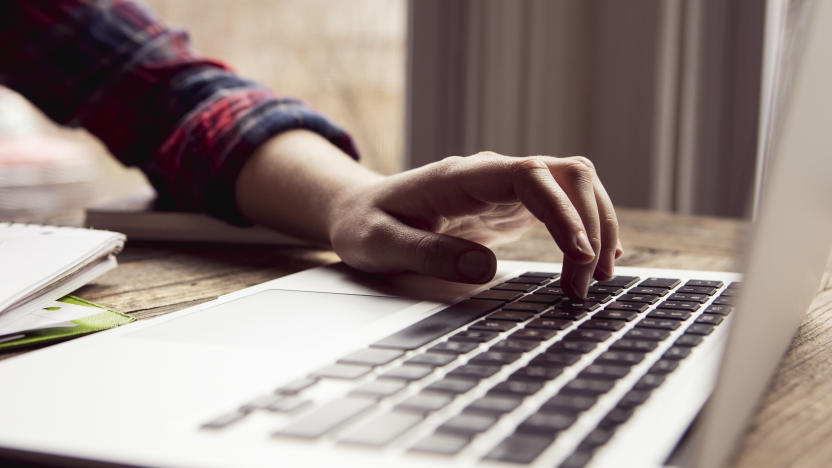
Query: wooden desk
(793,427)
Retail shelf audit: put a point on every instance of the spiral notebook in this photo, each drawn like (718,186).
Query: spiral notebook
(41,264)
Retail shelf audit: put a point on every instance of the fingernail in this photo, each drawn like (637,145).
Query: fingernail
(580,284)
(474,266)
(583,245)
(619,250)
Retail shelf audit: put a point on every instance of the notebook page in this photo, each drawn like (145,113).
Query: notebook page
(34,257)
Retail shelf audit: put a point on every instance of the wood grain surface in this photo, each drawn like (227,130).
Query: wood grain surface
(792,428)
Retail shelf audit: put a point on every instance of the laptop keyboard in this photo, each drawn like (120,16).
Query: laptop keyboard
(520,360)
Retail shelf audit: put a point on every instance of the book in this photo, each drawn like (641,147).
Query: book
(141,217)
(41,264)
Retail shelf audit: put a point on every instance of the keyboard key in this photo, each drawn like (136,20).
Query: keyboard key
(380,388)
(572,347)
(611,290)
(441,444)
(669,314)
(643,298)
(512,345)
(454,347)
(539,334)
(649,291)
(616,315)
(623,358)
(550,290)
(564,315)
(615,418)
(561,359)
(526,306)
(342,371)
(514,316)
(601,298)
(597,437)
(676,352)
(576,305)
(326,417)
(493,325)
(664,366)
(735,285)
(699,329)
(438,324)
(604,372)
(476,336)
(689,340)
(425,402)
(619,281)
(474,371)
(494,404)
(583,386)
(547,424)
(226,420)
(697,290)
(432,359)
(730,293)
(679,305)
(553,324)
(519,448)
(517,287)
(453,385)
(709,319)
(542,274)
(408,372)
(647,334)
(687,297)
(281,404)
(546,299)
(498,295)
(649,382)
(495,358)
(719,309)
(725,300)
(630,306)
(468,424)
(572,404)
(588,335)
(517,387)
(371,357)
(665,283)
(705,283)
(537,373)
(663,324)
(536,280)
(295,386)
(599,324)
(629,344)
(383,429)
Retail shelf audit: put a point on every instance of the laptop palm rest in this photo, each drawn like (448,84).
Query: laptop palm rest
(278,320)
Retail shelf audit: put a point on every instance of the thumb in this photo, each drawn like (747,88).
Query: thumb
(446,257)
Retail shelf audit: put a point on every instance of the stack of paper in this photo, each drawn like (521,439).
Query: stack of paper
(41,264)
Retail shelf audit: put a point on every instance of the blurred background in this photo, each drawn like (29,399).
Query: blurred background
(664,95)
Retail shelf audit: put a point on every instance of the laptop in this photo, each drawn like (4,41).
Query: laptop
(331,367)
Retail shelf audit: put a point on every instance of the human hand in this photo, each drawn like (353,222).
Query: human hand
(438,219)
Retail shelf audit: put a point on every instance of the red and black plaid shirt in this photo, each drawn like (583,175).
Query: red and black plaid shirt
(112,68)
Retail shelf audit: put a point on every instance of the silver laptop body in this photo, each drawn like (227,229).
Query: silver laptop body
(253,379)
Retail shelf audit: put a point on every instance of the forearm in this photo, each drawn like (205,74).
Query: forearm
(293,181)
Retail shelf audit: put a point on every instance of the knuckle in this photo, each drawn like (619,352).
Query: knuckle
(529,165)
(486,154)
(577,170)
(584,161)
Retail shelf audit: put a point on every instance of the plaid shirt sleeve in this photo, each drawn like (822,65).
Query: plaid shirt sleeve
(188,122)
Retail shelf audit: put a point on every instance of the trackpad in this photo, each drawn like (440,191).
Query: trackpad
(280,320)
